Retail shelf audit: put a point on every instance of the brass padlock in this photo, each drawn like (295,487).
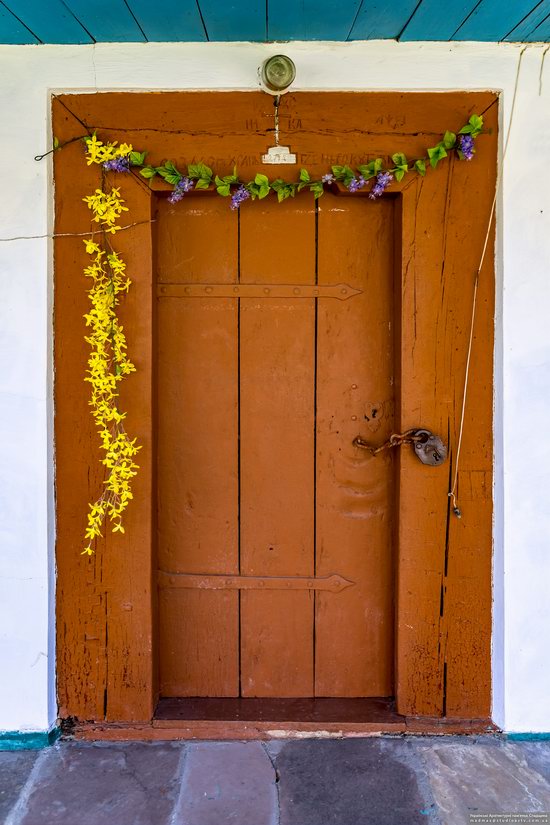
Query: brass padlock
(429,448)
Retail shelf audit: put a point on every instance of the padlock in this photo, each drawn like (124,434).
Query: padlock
(429,448)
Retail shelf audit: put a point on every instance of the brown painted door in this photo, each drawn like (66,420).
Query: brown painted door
(275,349)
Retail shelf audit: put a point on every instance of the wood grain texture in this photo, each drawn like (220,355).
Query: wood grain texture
(197,454)
(277,449)
(104,603)
(443,567)
(355,387)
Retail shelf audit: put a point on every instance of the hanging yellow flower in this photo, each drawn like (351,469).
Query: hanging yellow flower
(108,363)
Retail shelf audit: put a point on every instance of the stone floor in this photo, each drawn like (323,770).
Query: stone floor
(375,781)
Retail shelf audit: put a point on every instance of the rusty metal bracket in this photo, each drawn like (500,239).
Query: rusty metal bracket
(340,291)
(333,584)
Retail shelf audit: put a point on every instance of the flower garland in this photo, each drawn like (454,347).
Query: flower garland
(108,362)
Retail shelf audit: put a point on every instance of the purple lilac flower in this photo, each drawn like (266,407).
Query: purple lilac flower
(328,178)
(239,196)
(356,183)
(383,180)
(117,165)
(181,188)
(466,146)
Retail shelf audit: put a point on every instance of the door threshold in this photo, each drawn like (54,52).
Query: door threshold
(227,719)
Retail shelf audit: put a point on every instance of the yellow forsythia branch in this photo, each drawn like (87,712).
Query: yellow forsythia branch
(108,363)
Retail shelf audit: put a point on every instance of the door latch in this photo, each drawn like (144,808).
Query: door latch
(429,448)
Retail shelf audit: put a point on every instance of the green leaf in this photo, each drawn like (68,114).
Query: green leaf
(261,180)
(170,167)
(203,183)
(148,172)
(219,181)
(137,158)
(173,179)
(223,189)
(317,189)
(304,176)
(476,122)
(466,130)
(349,175)
(55,143)
(367,171)
(449,140)
(338,172)
(278,185)
(205,172)
(399,174)
(399,159)
(193,171)
(264,190)
(420,166)
(378,165)
(436,154)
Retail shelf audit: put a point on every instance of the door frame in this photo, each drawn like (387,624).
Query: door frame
(106,605)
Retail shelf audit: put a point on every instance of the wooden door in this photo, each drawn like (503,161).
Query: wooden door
(275,349)
(257,371)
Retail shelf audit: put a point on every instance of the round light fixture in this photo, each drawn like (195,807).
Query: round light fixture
(278,72)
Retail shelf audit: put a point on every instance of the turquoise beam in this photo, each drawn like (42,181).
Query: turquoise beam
(166,21)
(382,19)
(493,20)
(244,20)
(12,31)
(541,32)
(107,20)
(310,19)
(530,22)
(50,21)
(436,20)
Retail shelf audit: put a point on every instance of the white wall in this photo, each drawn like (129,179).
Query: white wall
(521,659)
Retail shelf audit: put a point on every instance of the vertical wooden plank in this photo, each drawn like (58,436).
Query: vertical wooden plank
(466,625)
(129,573)
(104,604)
(277,448)
(444,605)
(355,395)
(424,402)
(197,463)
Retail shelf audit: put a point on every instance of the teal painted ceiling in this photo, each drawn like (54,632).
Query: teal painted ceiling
(91,21)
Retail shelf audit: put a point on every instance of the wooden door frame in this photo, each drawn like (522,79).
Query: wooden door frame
(106,604)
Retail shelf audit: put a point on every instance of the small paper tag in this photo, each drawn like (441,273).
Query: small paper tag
(279,154)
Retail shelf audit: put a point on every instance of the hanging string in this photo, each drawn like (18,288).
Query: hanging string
(72,234)
(453,491)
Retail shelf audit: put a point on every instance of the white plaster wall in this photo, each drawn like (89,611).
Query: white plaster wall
(521,660)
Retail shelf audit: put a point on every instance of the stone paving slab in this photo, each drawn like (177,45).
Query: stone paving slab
(364,781)
(349,782)
(491,776)
(118,784)
(227,782)
(15,766)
